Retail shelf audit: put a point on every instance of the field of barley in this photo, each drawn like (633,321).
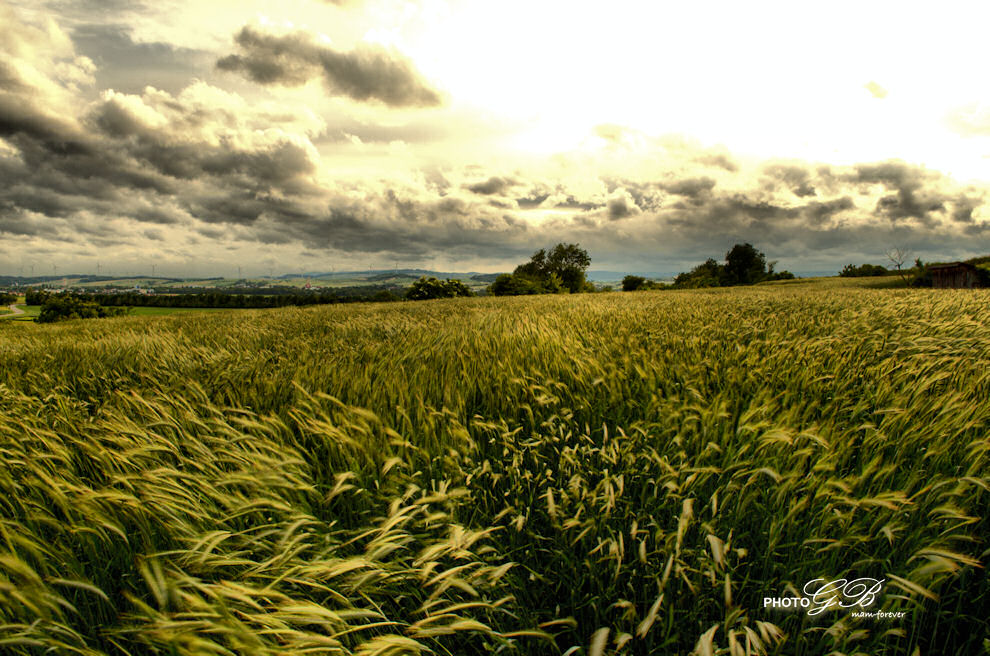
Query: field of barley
(625,473)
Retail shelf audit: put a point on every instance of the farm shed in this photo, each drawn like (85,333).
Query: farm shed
(958,275)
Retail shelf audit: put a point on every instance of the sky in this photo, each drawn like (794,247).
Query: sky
(207,138)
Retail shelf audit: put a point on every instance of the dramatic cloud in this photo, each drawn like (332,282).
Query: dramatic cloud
(794,177)
(690,187)
(719,160)
(621,205)
(367,74)
(216,170)
(493,185)
(913,197)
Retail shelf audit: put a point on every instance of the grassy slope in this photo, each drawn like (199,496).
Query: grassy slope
(653,463)
(161,311)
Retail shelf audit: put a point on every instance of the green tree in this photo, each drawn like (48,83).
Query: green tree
(744,265)
(632,283)
(33,297)
(568,262)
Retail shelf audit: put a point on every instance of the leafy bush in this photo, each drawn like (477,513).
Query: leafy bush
(708,274)
(428,288)
(513,284)
(636,283)
(863,270)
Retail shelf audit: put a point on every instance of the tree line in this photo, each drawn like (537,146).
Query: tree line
(76,305)
(919,275)
(71,306)
(743,265)
(209,299)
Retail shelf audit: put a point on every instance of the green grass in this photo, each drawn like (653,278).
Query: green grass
(32,311)
(625,473)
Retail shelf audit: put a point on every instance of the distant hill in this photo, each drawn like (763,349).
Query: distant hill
(384,278)
(392,279)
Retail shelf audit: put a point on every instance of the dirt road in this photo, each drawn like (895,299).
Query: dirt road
(16,311)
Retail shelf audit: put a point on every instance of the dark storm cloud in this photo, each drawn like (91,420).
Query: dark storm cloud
(736,214)
(387,223)
(275,164)
(621,207)
(16,223)
(164,173)
(160,215)
(964,208)
(845,225)
(60,169)
(63,159)
(557,196)
(533,200)
(690,187)
(914,195)
(819,212)
(366,74)
(114,163)
(493,185)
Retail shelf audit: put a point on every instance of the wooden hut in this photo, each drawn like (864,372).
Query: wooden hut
(954,275)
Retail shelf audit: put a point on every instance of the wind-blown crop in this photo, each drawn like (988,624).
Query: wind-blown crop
(605,473)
